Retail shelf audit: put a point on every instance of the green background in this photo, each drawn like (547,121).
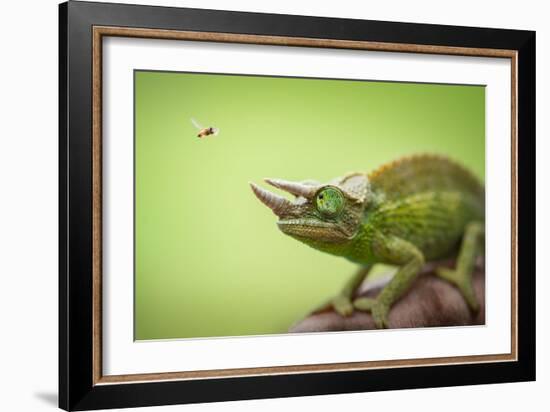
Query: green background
(210,260)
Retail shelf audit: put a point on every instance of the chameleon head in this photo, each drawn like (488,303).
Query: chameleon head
(319,213)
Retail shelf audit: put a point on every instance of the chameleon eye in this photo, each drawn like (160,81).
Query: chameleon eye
(329,201)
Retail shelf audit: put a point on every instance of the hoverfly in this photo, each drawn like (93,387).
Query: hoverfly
(204,131)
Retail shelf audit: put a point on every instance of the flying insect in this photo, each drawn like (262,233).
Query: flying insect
(204,131)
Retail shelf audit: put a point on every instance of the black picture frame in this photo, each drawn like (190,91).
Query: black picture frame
(77,390)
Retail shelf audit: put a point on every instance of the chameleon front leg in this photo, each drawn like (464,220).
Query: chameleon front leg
(392,250)
(461,276)
(341,303)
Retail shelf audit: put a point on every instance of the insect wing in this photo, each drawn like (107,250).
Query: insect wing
(196,124)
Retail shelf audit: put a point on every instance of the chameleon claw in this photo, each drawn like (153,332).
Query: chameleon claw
(378,310)
(342,305)
(463,283)
(380,315)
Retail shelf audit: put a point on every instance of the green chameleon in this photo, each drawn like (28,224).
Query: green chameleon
(413,210)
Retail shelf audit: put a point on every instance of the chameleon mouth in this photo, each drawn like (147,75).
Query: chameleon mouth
(303,222)
(311,229)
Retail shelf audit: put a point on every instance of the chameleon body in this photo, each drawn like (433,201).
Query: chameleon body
(413,210)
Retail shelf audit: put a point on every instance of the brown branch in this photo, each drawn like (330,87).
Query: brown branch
(430,302)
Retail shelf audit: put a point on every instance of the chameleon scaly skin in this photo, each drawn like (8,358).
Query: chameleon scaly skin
(405,213)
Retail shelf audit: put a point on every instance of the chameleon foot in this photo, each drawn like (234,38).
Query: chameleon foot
(463,283)
(342,305)
(342,302)
(378,310)
(461,277)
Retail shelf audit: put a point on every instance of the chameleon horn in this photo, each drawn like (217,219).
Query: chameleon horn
(298,189)
(277,204)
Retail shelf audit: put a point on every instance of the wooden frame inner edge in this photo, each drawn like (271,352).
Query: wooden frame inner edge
(99,31)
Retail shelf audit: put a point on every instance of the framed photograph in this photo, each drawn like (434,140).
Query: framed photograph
(256,205)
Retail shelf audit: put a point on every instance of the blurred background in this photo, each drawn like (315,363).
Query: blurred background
(210,260)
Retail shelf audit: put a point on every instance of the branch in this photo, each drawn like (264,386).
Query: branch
(429,302)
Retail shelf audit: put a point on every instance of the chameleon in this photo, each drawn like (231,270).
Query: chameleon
(416,209)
